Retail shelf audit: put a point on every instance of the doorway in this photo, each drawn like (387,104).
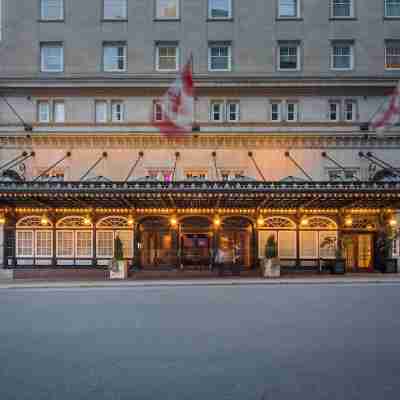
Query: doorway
(196,250)
(359,253)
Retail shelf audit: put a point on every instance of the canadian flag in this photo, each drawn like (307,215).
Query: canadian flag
(389,115)
(173,113)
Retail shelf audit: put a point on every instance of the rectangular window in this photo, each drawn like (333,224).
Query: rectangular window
(25,244)
(52,10)
(309,244)
(287,244)
(392,54)
(117,111)
(52,57)
(276,111)
(233,111)
(342,57)
(392,8)
(167,9)
(44,111)
(289,57)
(219,57)
(342,8)
(44,244)
(65,244)
(292,111)
(167,57)
(350,110)
(127,242)
(114,57)
(158,111)
(83,244)
(288,8)
(59,111)
(219,9)
(101,112)
(217,111)
(334,111)
(115,9)
(105,244)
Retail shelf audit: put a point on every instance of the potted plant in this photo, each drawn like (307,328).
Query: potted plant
(338,264)
(118,266)
(271,262)
(383,249)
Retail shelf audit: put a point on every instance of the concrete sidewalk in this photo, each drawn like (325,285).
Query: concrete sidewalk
(227,281)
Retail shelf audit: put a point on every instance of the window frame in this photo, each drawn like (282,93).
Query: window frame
(54,111)
(58,255)
(229,57)
(298,58)
(60,18)
(33,244)
(210,16)
(296,111)
(338,110)
(76,243)
(43,46)
(177,57)
(100,232)
(221,103)
(352,10)
(122,111)
(36,243)
(342,44)
(298,11)
(96,103)
(228,113)
(116,45)
(354,110)
(124,18)
(279,104)
(39,104)
(387,46)
(159,17)
(386,9)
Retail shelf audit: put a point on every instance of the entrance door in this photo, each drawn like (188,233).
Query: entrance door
(358,251)
(364,251)
(196,250)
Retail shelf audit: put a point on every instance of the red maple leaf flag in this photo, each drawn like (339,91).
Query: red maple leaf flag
(174,112)
(390,113)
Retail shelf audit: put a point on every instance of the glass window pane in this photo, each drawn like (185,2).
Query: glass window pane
(59,112)
(52,58)
(52,9)
(115,9)
(65,244)
(101,111)
(114,58)
(44,243)
(167,8)
(220,8)
(24,244)
(287,8)
(44,111)
(83,244)
(342,8)
(105,244)
(288,57)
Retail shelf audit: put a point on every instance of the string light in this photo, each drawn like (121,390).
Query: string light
(131,220)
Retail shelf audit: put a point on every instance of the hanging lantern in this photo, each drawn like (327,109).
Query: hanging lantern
(260,220)
(348,221)
(44,220)
(87,220)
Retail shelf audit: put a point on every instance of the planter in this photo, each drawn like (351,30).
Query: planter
(271,267)
(118,269)
(390,266)
(339,266)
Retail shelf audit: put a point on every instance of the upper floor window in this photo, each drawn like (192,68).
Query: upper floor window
(59,111)
(114,57)
(219,57)
(232,111)
(167,9)
(334,111)
(350,110)
(115,9)
(292,111)
(51,111)
(52,9)
(44,111)
(342,56)
(288,8)
(101,111)
(392,8)
(342,8)
(52,57)
(219,9)
(392,54)
(167,57)
(217,111)
(289,56)
(276,111)
(117,111)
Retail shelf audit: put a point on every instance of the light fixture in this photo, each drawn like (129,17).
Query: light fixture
(131,220)
(87,220)
(44,220)
(260,220)
(217,221)
(392,221)
(2,219)
(304,221)
(348,221)
(173,221)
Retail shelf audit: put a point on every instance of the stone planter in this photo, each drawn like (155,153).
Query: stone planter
(271,267)
(118,269)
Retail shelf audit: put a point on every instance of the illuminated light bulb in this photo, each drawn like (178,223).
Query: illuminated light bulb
(87,220)
(130,220)
(304,222)
(44,220)
(260,221)
(173,221)
(217,222)
(348,221)
(392,222)
(2,219)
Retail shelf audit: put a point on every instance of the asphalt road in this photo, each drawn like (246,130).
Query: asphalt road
(242,342)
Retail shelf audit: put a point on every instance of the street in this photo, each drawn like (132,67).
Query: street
(242,342)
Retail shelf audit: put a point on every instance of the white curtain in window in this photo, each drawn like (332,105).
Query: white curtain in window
(287,244)
(65,244)
(309,244)
(52,9)
(44,243)
(287,8)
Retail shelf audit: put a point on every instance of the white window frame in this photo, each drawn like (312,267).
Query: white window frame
(315,255)
(387,8)
(114,3)
(281,16)
(56,118)
(159,16)
(121,113)
(333,16)
(98,234)
(279,104)
(47,45)
(210,16)
(354,110)
(338,110)
(77,232)
(37,232)
(41,103)
(31,255)
(295,111)
(298,59)
(221,112)
(44,3)
(229,67)
(351,47)
(387,46)
(96,113)
(293,239)
(72,255)
(124,56)
(158,47)
(229,103)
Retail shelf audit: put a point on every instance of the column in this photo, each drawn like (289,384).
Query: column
(2,243)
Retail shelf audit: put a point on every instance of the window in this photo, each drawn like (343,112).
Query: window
(324,250)
(59,111)
(52,57)
(167,9)
(44,244)
(167,57)
(342,8)
(217,111)
(158,111)
(44,111)
(115,9)
(127,242)
(117,111)
(219,57)
(105,244)
(288,8)
(219,9)
(347,174)
(25,244)
(101,111)
(289,57)
(292,111)
(392,54)
(308,244)
(52,9)
(65,244)
(392,8)
(350,110)
(287,244)
(276,111)
(196,175)
(83,244)
(114,57)
(233,111)
(334,111)
(342,56)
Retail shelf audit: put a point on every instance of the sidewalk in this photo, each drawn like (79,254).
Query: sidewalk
(226,281)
